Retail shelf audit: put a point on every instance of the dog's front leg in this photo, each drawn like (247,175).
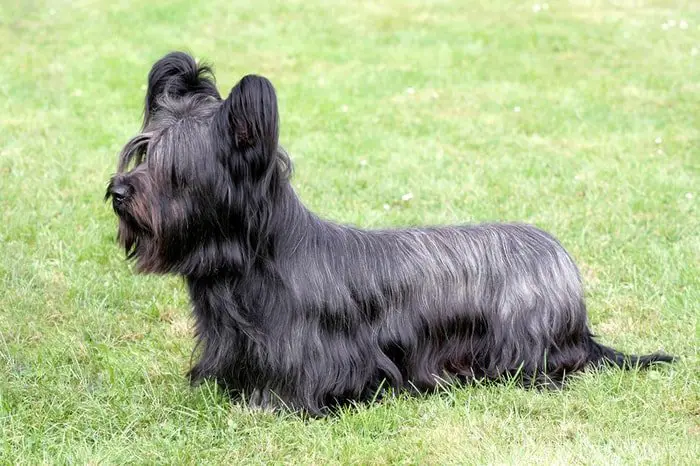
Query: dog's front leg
(264,399)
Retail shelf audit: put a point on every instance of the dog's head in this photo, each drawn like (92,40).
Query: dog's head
(187,188)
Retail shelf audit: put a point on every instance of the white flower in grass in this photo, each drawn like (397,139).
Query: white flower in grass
(407,197)
(683,24)
(387,207)
(363,163)
(344,108)
(664,26)
(516,109)
(536,8)
(410,91)
(658,140)
(659,152)
(694,51)
(688,196)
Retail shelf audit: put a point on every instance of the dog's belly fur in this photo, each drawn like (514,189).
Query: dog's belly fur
(412,307)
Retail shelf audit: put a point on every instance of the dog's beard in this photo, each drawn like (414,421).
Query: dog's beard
(129,238)
(140,245)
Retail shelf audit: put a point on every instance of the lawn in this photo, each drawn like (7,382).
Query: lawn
(581,117)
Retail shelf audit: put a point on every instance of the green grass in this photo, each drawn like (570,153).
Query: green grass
(378,99)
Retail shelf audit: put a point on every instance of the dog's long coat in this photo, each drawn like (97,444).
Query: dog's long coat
(292,309)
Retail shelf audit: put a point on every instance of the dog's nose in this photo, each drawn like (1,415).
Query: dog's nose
(119,193)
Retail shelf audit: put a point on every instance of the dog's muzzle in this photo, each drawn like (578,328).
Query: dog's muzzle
(119,194)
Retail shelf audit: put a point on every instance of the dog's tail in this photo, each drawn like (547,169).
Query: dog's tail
(604,355)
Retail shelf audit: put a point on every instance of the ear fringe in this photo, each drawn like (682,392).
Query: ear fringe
(177,74)
(249,122)
(254,113)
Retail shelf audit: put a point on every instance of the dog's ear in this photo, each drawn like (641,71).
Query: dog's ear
(250,116)
(177,74)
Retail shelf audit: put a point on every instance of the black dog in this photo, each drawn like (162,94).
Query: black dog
(294,310)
